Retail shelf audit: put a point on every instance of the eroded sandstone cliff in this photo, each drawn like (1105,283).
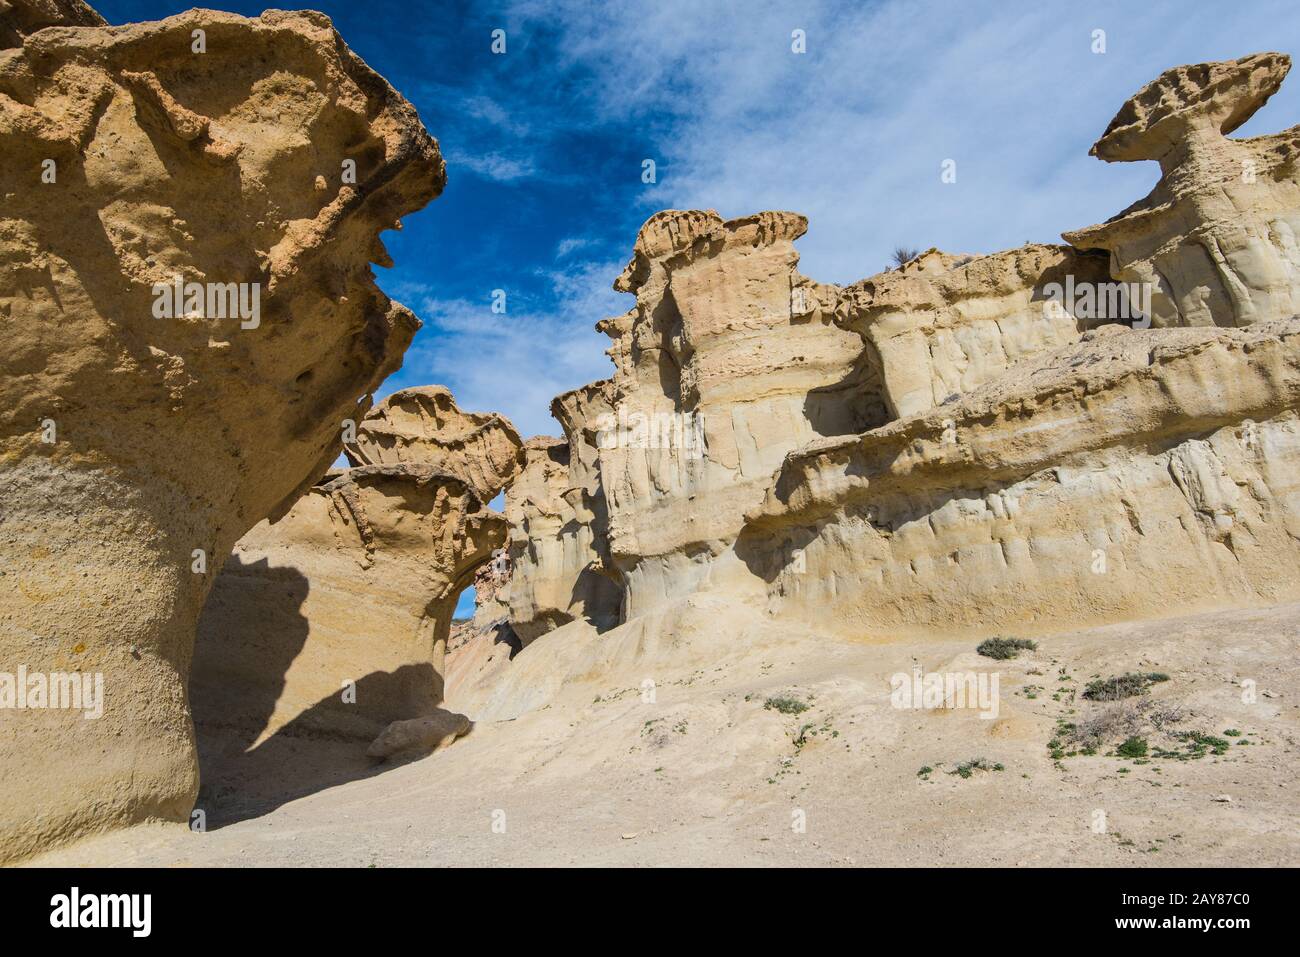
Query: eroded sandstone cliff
(191,210)
(1022,440)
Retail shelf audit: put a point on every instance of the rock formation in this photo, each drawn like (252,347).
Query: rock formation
(335,618)
(965,444)
(424,425)
(1217,237)
(943,325)
(191,208)
(1137,474)
(21,18)
(559,556)
(723,366)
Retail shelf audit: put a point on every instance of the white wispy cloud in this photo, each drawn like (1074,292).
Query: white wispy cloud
(494,166)
(567,247)
(514,362)
(853,132)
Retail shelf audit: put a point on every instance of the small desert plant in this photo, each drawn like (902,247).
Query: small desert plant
(1196,744)
(1122,686)
(1004,648)
(1124,719)
(1133,747)
(903,255)
(785,705)
(967,768)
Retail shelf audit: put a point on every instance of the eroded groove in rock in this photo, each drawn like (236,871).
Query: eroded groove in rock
(140,436)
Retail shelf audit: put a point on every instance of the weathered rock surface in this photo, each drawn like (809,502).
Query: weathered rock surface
(559,553)
(135,450)
(1216,238)
(724,366)
(21,18)
(985,453)
(943,325)
(335,618)
(425,425)
(419,735)
(1135,475)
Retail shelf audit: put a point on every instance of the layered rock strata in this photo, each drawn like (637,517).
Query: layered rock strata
(1017,440)
(1135,475)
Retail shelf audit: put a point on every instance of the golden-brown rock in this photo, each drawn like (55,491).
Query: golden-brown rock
(143,433)
(425,425)
(335,618)
(21,18)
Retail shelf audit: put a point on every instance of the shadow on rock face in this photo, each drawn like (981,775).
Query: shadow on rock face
(306,755)
(255,751)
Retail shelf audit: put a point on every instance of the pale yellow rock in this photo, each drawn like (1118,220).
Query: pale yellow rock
(1216,238)
(135,450)
(943,325)
(1135,475)
(425,425)
(335,618)
(558,553)
(730,365)
(976,460)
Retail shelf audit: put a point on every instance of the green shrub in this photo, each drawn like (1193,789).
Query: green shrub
(1134,747)
(966,769)
(785,705)
(1004,648)
(1122,686)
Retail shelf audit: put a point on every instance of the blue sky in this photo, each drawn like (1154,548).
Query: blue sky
(545,144)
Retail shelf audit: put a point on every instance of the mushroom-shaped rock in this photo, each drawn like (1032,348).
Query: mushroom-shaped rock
(190,320)
(1213,98)
(425,425)
(1215,241)
(334,620)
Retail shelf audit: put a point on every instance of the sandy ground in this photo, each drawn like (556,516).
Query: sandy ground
(706,774)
